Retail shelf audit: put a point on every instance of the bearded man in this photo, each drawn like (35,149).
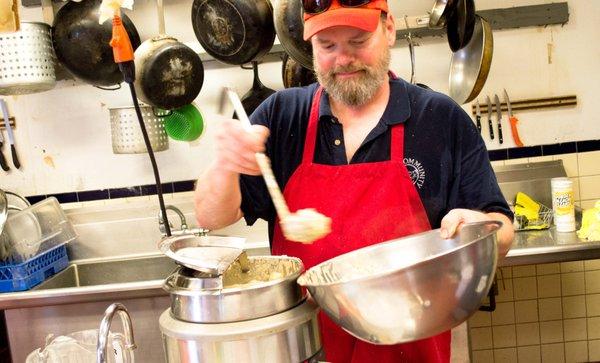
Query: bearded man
(381,157)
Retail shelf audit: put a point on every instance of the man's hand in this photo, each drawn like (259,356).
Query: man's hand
(452,221)
(236,147)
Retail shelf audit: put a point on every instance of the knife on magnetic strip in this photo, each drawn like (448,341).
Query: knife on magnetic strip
(513,122)
(478,115)
(489,114)
(499,118)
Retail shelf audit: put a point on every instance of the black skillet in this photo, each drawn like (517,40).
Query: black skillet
(289,25)
(460,24)
(234,31)
(81,44)
(295,74)
(256,95)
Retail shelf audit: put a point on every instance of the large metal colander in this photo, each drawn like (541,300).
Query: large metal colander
(127,136)
(27,60)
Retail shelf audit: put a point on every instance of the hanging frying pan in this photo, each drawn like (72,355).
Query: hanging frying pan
(256,95)
(234,31)
(289,24)
(440,12)
(470,66)
(296,75)
(460,24)
(169,74)
(81,44)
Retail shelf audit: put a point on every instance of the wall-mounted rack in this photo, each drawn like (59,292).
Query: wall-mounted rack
(11,121)
(503,18)
(530,104)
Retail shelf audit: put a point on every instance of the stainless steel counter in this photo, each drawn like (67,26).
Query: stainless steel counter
(546,246)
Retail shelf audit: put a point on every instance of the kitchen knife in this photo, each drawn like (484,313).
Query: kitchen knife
(3,163)
(11,137)
(513,122)
(499,116)
(478,116)
(489,113)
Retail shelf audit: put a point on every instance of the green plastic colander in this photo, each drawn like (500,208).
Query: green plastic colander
(184,123)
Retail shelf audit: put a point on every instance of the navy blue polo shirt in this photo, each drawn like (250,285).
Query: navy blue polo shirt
(443,151)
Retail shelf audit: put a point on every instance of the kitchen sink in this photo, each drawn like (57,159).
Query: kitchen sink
(110,272)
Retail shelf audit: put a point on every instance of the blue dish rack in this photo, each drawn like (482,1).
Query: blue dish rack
(30,273)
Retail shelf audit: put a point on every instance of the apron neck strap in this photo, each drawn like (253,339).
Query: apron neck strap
(308,155)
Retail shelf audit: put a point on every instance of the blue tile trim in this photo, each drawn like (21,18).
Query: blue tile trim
(188,185)
(589,145)
(125,192)
(524,152)
(557,149)
(500,154)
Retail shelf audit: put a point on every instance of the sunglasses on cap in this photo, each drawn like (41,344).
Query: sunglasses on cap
(318,6)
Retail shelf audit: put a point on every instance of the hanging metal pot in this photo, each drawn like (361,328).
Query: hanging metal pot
(169,74)
(81,44)
(289,24)
(460,24)
(28,58)
(470,66)
(296,75)
(234,31)
(440,12)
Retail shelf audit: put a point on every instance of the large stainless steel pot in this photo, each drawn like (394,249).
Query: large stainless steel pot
(194,297)
(410,288)
(288,337)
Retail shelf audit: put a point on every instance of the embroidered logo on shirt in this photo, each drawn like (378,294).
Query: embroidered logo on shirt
(416,171)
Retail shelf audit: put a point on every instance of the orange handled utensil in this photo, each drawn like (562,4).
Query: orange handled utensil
(513,122)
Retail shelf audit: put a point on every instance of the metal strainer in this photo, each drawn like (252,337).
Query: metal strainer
(27,60)
(127,136)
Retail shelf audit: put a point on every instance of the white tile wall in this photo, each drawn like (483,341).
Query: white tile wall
(529,354)
(589,187)
(594,350)
(525,288)
(551,331)
(504,313)
(553,353)
(574,306)
(576,352)
(550,309)
(592,282)
(573,266)
(548,285)
(545,313)
(573,283)
(593,304)
(528,334)
(589,163)
(575,329)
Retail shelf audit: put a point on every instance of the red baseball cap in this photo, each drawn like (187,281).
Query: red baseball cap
(364,17)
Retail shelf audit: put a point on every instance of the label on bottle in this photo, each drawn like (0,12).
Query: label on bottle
(563,203)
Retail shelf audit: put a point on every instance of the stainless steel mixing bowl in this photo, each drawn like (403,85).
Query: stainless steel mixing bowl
(409,288)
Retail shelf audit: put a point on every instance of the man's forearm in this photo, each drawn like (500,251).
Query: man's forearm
(506,234)
(217,198)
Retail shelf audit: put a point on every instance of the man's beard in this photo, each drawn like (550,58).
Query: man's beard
(360,89)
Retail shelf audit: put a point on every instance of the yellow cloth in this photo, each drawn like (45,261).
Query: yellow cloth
(590,224)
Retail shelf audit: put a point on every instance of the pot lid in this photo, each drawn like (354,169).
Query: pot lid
(3,209)
(208,254)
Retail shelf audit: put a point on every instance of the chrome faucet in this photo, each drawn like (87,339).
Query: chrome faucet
(184,229)
(102,344)
(161,219)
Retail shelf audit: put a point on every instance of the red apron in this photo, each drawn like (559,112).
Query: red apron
(368,203)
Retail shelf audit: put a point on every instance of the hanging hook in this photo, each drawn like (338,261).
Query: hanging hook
(411,49)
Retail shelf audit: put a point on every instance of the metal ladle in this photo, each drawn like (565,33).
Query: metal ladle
(306,225)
